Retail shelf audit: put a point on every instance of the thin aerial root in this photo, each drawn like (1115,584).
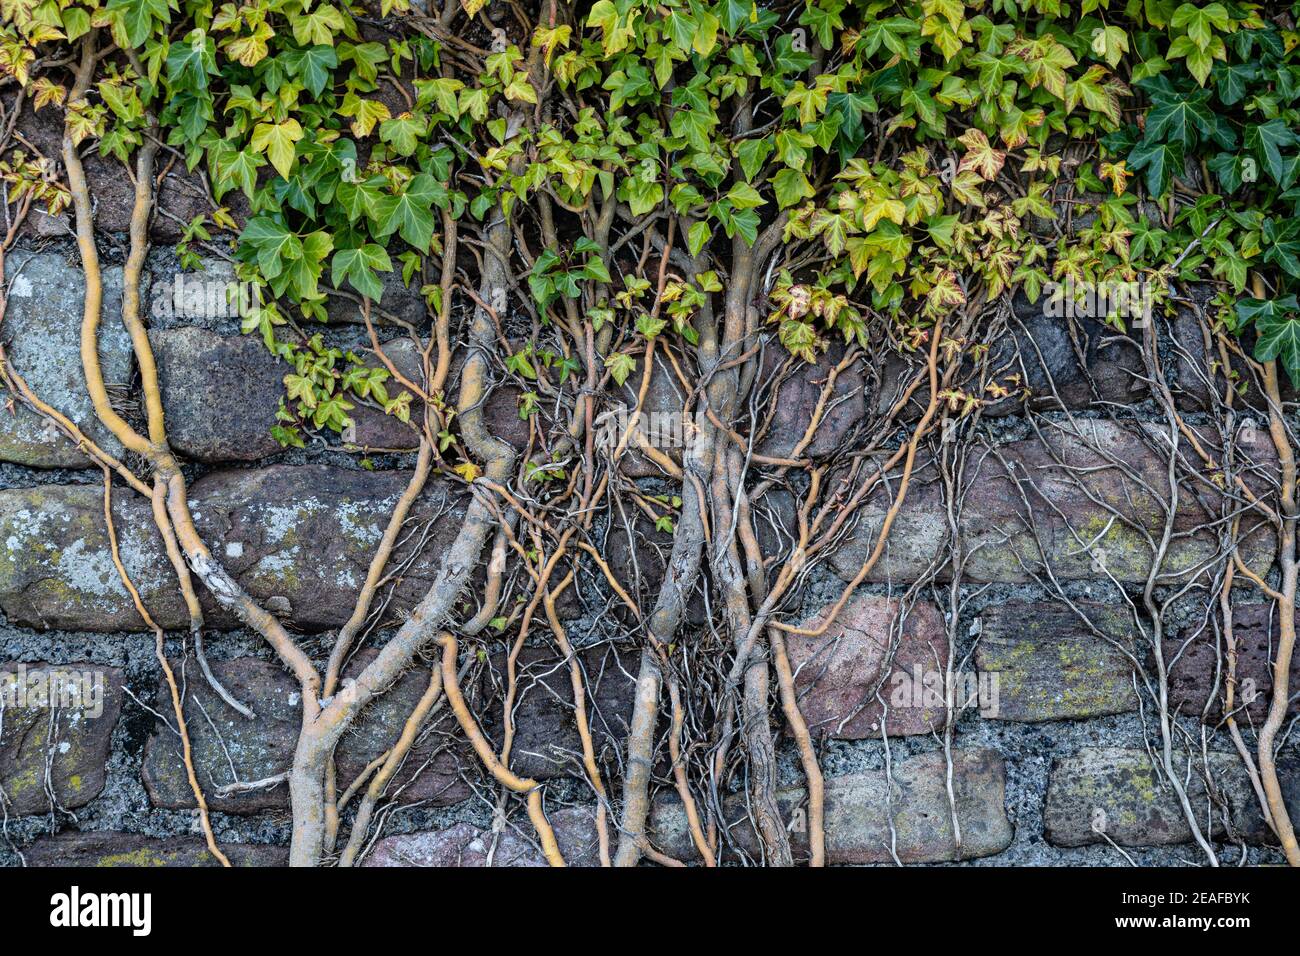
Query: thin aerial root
(502,774)
(159,651)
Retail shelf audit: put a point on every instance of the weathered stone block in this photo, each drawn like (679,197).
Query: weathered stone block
(263,747)
(183,194)
(1089,498)
(1119,792)
(1050,665)
(466,845)
(1198,672)
(111,849)
(220,393)
(1201,379)
(641,567)
(546,742)
(865,816)
(842,678)
(43,338)
(56,729)
(799,386)
(376,429)
(1064,361)
(398,301)
(299,538)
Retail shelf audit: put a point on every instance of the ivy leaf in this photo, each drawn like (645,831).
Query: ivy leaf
(1160,160)
(273,244)
(318,27)
(133,19)
(1279,331)
(358,266)
(1201,22)
(403,133)
(410,214)
(550,40)
(191,61)
(980,156)
(239,170)
(833,228)
(1265,312)
(366,113)
(887,33)
(1048,60)
(1180,118)
(253,49)
(311,65)
(276,142)
(752,154)
(1281,245)
(744,196)
(1267,140)
(965,187)
(705,37)
(1233,79)
(1093,93)
(620,366)
(699,234)
(791,186)
(1110,43)
(361,200)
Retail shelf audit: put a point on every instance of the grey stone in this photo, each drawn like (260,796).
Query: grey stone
(42,331)
(661,424)
(546,742)
(841,677)
(516,846)
(208,296)
(1198,371)
(56,728)
(1042,353)
(113,849)
(57,570)
(377,430)
(220,393)
(264,746)
(303,535)
(1070,484)
(865,816)
(46,226)
(398,301)
(1118,792)
(1051,665)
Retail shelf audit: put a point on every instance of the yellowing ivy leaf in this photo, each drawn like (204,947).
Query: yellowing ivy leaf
(468,470)
(1110,43)
(980,155)
(276,141)
(318,27)
(1118,174)
(365,113)
(250,50)
(550,40)
(965,187)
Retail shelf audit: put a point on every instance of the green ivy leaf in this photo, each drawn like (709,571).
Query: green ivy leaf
(358,266)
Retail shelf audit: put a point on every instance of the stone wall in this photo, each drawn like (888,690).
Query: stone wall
(1057,772)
